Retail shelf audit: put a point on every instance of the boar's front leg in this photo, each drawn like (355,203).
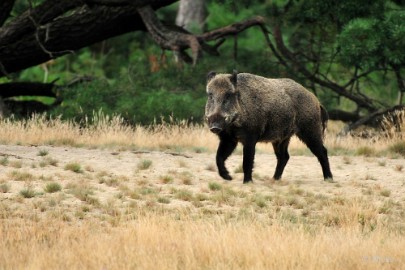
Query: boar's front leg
(248,159)
(226,146)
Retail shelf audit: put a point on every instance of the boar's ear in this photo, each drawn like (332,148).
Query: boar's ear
(234,77)
(211,75)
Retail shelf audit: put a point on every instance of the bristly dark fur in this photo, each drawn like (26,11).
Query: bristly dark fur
(246,108)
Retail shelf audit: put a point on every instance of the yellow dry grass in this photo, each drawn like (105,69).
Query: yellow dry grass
(106,131)
(114,215)
(153,242)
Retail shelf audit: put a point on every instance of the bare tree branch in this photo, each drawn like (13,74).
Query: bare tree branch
(169,39)
(230,30)
(26,89)
(286,53)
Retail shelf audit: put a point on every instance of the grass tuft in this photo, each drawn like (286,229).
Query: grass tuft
(74,167)
(214,186)
(166,179)
(365,151)
(4,161)
(27,193)
(144,164)
(53,187)
(21,176)
(398,148)
(4,188)
(43,152)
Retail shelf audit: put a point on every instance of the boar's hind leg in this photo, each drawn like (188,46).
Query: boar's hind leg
(248,159)
(225,149)
(315,144)
(281,151)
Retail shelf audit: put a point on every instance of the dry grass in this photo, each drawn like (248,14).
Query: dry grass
(113,132)
(153,242)
(176,213)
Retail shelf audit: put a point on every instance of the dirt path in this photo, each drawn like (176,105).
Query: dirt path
(195,170)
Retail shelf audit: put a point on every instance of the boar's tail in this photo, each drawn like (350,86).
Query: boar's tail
(324,119)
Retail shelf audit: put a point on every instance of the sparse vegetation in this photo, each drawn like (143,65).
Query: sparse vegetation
(43,152)
(53,187)
(166,179)
(183,198)
(399,167)
(74,167)
(366,151)
(4,161)
(398,148)
(385,192)
(21,176)
(27,193)
(16,164)
(186,178)
(184,195)
(4,187)
(163,200)
(144,164)
(214,186)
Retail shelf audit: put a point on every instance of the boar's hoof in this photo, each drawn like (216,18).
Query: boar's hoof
(226,176)
(247,181)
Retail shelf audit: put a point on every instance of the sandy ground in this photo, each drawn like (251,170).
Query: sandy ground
(352,174)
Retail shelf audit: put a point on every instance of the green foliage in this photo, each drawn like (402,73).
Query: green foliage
(373,42)
(141,96)
(332,38)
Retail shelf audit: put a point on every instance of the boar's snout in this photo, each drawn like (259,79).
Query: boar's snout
(216,123)
(215,129)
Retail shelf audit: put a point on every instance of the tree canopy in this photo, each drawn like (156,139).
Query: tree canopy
(350,53)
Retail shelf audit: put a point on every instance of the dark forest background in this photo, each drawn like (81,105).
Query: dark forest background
(351,54)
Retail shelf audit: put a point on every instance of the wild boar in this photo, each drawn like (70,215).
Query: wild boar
(248,108)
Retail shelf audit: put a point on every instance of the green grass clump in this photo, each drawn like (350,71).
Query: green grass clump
(16,164)
(48,161)
(84,193)
(163,200)
(74,167)
(186,178)
(365,151)
(184,195)
(4,161)
(53,187)
(398,148)
(200,150)
(21,176)
(27,193)
(214,186)
(385,192)
(43,152)
(144,164)
(4,188)
(166,179)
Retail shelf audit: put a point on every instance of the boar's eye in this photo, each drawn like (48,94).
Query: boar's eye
(210,95)
(228,96)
